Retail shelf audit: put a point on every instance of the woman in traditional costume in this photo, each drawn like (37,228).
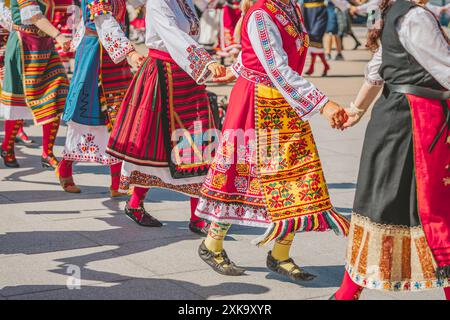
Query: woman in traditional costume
(35,84)
(400,230)
(267,171)
(166,97)
(101,78)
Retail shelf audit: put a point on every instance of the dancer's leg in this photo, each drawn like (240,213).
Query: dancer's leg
(48,141)
(196,224)
(22,137)
(11,129)
(64,173)
(278,260)
(216,234)
(326,66)
(136,211)
(137,198)
(311,66)
(211,251)
(348,290)
(115,180)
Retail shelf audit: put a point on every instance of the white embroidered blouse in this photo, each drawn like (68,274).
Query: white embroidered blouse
(276,63)
(172,26)
(424,41)
(5,16)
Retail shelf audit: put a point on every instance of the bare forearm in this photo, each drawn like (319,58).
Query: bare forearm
(45,25)
(366,95)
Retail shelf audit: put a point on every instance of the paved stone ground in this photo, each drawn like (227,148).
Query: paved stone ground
(44,230)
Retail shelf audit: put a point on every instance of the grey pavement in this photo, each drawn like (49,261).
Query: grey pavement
(45,232)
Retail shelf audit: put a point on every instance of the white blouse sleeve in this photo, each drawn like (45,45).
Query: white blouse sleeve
(372,75)
(266,41)
(342,5)
(186,52)
(28,10)
(425,42)
(366,7)
(5,16)
(136,3)
(112,37)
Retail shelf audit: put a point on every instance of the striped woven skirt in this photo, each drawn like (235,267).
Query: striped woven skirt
(160,128)
(35,85)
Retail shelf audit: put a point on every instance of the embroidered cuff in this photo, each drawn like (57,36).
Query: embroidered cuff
(117,48)
(236,68)
(28,12)
(199,60)
(99,7)
(374,82)
(310,104)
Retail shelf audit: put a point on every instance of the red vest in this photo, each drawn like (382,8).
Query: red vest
(295,41)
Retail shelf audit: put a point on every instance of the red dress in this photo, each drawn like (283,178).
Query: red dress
(267,171)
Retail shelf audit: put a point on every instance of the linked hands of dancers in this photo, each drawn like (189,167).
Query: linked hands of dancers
(217,70)
(354,115)
(226,78)
(136,59)
(64,42)
(335,114)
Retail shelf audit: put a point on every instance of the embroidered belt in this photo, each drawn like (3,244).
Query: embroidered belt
(253,76)
(314,4)
(30,29)
(428,93)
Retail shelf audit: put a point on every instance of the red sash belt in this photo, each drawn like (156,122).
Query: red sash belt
(161,55)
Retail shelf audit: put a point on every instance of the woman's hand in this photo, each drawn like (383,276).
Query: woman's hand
(64,42)
(136,59)
(335,115)
(217,69)
(227,78)
(353,118)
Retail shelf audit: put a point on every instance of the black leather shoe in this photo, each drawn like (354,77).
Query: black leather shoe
(9,159)
(225,267)
(194,227)
(276,266)
(142,217)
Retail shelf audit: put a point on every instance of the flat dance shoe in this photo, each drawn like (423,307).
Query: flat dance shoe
(9,159)
(142,217)
(24,140)
(219,262)
(295,273)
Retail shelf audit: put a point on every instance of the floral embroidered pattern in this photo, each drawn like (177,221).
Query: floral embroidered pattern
(116,47)
(252,75)
(99,7)
(199,59)
(88,150)
(149,181)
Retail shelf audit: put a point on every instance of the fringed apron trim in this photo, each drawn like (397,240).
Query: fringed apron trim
(323,221)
